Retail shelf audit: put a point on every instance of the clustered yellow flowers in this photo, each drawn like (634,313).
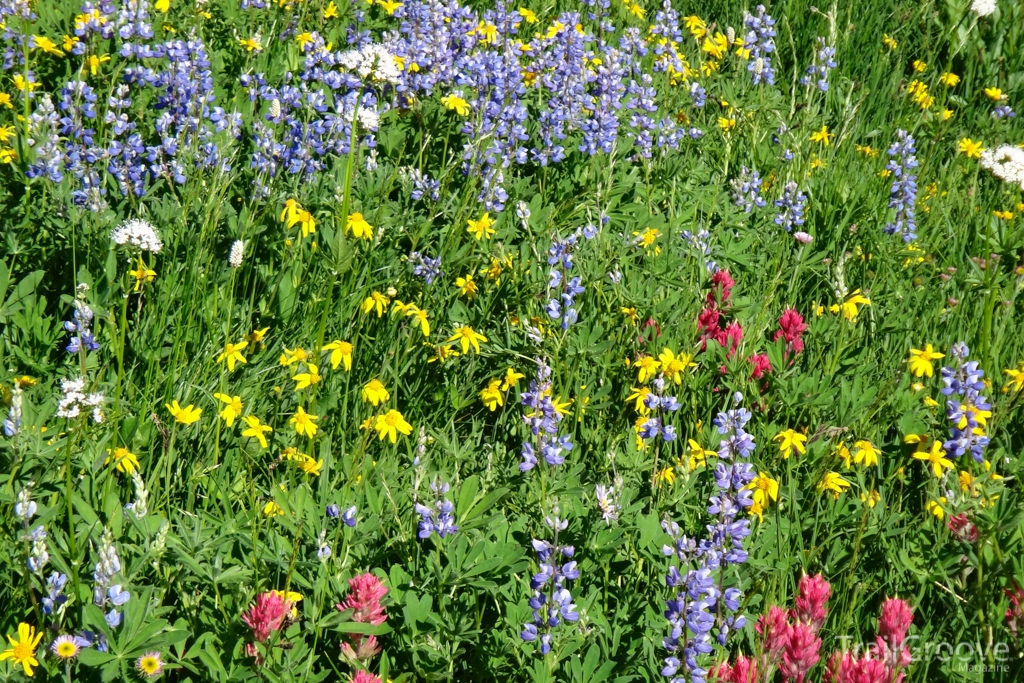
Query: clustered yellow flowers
(306,463)
(467,286)
(303,422)
(375,302)
(420,315)
(375,393)
(390,423)
(493,395)
(1016,381)
(919,94)
(187,415)
(232,408)
(389,6)
(849,307)
(863,453)
(790,441)
(293,214)
(256,430)
(671,367)
(142,274)
(341,352)
(310,377)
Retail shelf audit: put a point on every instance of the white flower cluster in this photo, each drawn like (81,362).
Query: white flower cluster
(983,8)
(1006,162)
(75,399)
(236,253)
(138,233)
(373,62)
(368,118)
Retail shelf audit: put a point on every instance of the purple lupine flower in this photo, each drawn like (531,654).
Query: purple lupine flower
(823,63)
(903,192)
(660,406)
(698,604)
(55,599)
(698,96)
(746,190)
(551,602)
(438,517)
(699,243)
(1003,111)
(80,326)
(542,419)
(423,185)
(425,267)
(966,415)
(792,204)
(760,42)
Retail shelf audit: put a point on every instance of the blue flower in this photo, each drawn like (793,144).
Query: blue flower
(746,190)
(349,517)
(823,63)
(903,192)
(437,518)
(792,204)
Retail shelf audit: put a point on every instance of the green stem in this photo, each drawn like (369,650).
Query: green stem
(346,205)
(70,508)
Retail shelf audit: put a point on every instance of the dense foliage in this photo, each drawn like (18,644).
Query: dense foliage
(598,341)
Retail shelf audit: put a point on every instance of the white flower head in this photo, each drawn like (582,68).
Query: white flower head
(983,8)
(74,399)
(368,119)
(236,253)
(1006,162)
(139,234)
(373,62)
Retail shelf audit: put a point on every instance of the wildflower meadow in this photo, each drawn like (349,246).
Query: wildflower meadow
(385,341)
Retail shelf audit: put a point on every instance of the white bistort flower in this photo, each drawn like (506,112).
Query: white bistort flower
(74,399)
(236,253)
(1005,162)
(373,62)
(983,8)
(368,118)
(138,233)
